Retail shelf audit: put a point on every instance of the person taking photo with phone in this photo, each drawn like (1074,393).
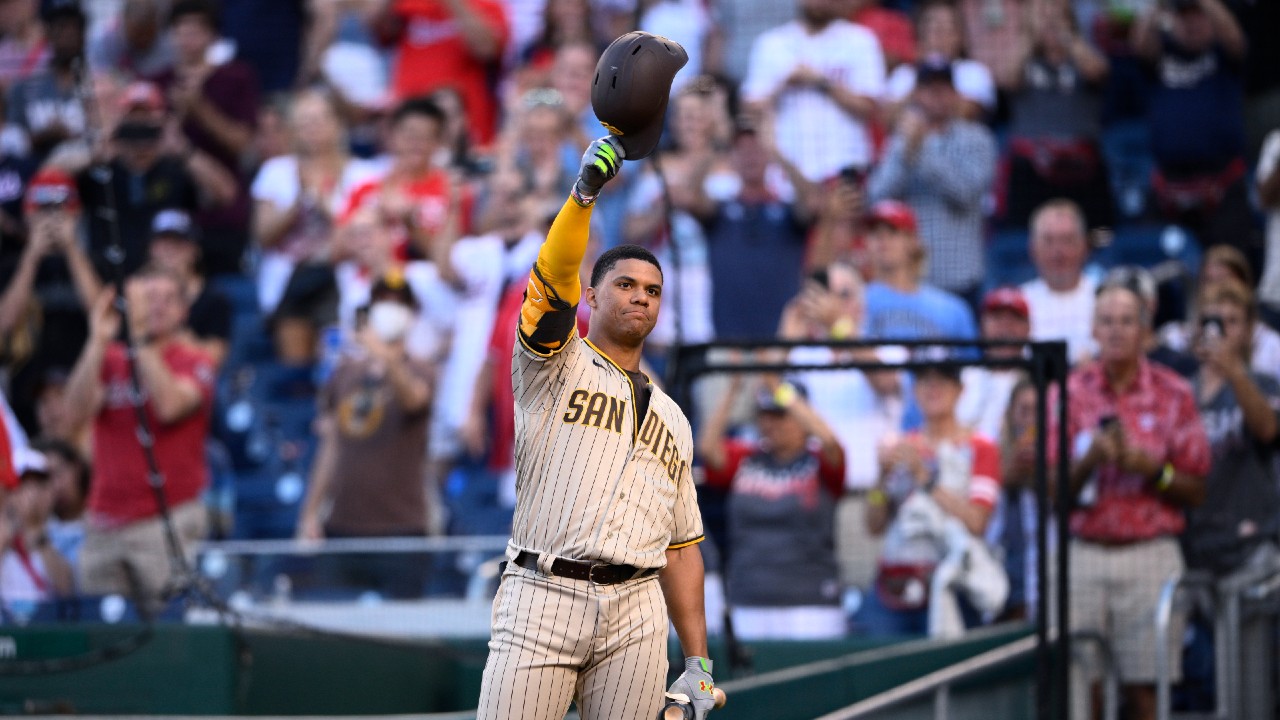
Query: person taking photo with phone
(367,479)
(1233,534)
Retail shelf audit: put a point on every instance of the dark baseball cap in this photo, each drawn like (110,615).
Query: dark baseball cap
(936,360)
(51,10)
(934,68)
(777,400)
(632,86)
(173,223)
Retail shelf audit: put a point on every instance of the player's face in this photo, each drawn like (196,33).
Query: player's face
(627,300)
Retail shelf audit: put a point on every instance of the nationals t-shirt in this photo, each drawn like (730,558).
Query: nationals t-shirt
(120,492)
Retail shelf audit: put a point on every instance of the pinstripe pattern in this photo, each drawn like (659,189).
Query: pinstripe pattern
(608,493)
(594,482)
(556,640)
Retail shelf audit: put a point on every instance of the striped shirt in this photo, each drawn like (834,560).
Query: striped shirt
(594,481)
(945,183)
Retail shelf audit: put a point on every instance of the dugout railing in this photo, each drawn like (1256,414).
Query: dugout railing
(1045,364)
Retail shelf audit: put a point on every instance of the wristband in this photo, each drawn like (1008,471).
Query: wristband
(877,498)
(784,395)
(842,329)
(583,201)
(1165,478)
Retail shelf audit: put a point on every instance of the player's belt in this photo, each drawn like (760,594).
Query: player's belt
(596,572)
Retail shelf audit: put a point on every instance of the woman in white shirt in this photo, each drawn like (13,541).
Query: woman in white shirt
(296,198)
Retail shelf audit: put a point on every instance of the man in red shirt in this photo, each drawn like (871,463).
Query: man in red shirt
(125,549)
(449,43)
(1141,454)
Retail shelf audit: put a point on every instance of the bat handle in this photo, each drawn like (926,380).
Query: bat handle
(676,710)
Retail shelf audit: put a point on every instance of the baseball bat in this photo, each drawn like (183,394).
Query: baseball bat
(678,709)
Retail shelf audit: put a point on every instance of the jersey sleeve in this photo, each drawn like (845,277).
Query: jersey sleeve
(984,483)
(735,451)
(831,475)
(548,315)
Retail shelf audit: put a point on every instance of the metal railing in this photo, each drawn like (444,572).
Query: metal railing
(940,682)
(1224,599)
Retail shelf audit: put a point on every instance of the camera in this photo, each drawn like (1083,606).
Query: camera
(853,175)
(50,197)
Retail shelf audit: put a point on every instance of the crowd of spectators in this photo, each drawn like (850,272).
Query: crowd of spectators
(346,195)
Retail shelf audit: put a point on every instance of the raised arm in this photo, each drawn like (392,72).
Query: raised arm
(84,392)
(711,438)
(547,317)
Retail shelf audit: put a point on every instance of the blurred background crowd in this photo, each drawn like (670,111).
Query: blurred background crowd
(323,213)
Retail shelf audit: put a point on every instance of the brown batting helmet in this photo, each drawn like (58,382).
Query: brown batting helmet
(631,88)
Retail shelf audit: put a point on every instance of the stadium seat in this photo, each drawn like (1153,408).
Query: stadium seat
(1007,259)
(1126,145)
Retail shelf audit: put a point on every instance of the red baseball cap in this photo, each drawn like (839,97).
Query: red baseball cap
(142,95)
(1007,298)
(51,187)
(894,213)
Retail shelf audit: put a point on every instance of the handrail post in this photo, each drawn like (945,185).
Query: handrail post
(1163,616)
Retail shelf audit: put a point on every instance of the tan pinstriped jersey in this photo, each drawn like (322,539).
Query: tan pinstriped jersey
(594,482)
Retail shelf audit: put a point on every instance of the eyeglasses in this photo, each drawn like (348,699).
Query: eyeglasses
(1135,279)
(542,97)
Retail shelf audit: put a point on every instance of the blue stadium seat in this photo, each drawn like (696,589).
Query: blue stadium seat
(1007,259)
(267,503)
(1126,145)
(240,290)
(1148,245)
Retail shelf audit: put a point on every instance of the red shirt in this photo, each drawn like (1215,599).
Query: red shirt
(894,31)
(431,191)
(120,493)
(1159,416)
(828,476)
(434,55)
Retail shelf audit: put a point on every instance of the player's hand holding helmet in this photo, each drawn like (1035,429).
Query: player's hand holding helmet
(600,163)
(697,685)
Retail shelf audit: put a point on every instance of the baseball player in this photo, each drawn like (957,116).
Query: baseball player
(603,544)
